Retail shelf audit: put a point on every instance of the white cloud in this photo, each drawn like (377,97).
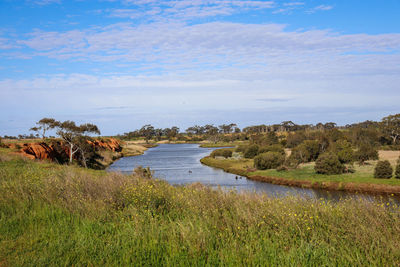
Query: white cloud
(186,9)
(294,4)
(217,44)
(319,8)
(45,2)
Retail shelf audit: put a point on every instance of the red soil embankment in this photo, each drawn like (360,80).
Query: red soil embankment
(51,151)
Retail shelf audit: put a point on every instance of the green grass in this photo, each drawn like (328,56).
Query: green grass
(64,215)
(222,144)
(363,174)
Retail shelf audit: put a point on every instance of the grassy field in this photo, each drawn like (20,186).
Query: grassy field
(64,215)
(305,173)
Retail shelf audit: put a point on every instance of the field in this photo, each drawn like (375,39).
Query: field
(65,215)
(305,175)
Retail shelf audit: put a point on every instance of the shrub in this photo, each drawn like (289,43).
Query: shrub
(251,151)
(226,153)
(328,163)
(145,173)
(366,152)
(272,148)
(2,144)
(295,139)
(349,169)
(241,148)
(383,169)
(282,168)
(268,160)
(305,152)
(397,172)
(346,155)
(344,151)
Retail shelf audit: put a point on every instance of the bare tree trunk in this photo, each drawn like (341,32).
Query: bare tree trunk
(83,158)
(394,137)
(71,146)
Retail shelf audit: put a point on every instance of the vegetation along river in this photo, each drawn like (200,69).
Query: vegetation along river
(180,164)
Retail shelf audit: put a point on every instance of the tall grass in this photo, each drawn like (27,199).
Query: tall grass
(60,215)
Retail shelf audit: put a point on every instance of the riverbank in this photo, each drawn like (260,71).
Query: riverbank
(135,148)
(360,181)
(60,215)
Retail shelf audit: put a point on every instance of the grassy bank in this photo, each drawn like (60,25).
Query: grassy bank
(63,215)
(134,148)
(362,180)
(222,144)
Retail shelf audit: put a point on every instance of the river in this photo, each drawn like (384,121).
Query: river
(180,164)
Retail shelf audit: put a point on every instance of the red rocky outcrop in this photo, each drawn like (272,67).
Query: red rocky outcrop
(44,151)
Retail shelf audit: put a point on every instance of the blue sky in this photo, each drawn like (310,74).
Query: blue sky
(123,64)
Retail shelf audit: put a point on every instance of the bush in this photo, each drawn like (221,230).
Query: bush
(282,168)
(226,153)
(295,139)
(344,151)
(397,172)
(346,155)
(268,160)
(241,148)
(383,169)
(145,173)
(272,148)
(251,151)
(305,152)
(1,143)
(366,152)
(328,163)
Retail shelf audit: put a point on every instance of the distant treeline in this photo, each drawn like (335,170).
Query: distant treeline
(385,132)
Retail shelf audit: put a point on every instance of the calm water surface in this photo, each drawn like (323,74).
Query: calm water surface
(180,164)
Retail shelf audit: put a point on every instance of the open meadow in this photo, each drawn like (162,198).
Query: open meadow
(65,215)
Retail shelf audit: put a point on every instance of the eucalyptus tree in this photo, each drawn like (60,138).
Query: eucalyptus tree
(390,126)
(76,137)
(44,125)
(147,131)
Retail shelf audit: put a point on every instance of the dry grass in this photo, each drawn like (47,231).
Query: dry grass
(389,155)
(133,148)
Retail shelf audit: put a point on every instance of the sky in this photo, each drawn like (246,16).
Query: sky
(123,64)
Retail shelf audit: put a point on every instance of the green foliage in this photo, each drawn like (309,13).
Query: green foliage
(344,151)
(383,169)
(334,134)
(390,126)
(305,152)
(366,152)
(397,171)
(251,151)
(1,143)
(272,148)
(226,153)
(268,160)
(328,163)
(241,148)
(265,140)
(295,139)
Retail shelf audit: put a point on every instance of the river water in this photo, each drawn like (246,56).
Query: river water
(180,164)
